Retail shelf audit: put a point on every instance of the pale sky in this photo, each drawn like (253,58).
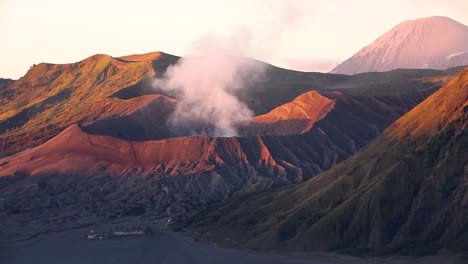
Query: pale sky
(308,35)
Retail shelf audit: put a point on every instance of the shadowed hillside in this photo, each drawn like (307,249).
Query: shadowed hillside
(84,175)
(5,82)
(405,192)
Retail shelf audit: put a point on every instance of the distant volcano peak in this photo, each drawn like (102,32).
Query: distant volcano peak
(433,42)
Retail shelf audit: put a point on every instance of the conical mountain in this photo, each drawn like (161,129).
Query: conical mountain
(432,42)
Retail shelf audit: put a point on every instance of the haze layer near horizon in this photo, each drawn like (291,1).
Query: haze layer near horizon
(311,35)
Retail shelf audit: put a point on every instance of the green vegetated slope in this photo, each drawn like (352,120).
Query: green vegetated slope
(51,97)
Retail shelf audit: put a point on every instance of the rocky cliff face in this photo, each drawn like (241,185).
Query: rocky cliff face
(433,43)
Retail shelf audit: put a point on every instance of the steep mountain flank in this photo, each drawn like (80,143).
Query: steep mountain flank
(51,97)
(406,192)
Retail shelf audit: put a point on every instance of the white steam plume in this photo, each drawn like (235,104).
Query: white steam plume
(205,86)
(455,54)
(206,81)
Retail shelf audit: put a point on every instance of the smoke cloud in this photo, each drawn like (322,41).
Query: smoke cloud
(456,54)
(205,85)
(205,82)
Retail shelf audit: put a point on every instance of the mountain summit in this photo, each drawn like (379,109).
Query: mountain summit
(433,42)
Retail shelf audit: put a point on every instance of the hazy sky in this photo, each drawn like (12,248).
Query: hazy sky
(304,34)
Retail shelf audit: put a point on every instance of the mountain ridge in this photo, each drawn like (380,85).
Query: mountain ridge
(90,141)
(51,97)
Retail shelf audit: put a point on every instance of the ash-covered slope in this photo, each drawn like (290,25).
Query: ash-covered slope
(432,42)
(406,192)
(338,124)
(96,176)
